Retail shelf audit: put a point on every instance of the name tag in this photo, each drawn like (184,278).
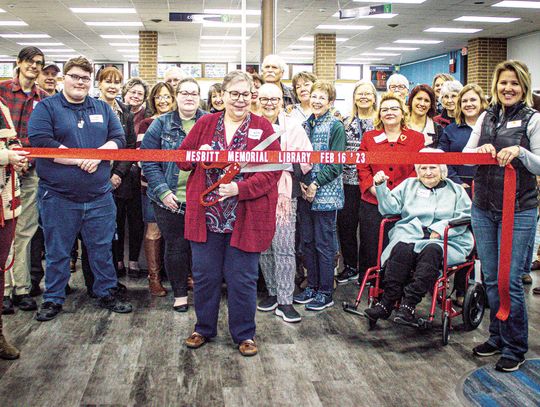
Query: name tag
(514,124)
(255,134)
(422,193)
(380,138)
(96,118)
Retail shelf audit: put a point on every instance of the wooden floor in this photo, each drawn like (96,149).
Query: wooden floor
(88,356)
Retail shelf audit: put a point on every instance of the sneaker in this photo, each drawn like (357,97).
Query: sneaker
(113,304)
(485,349)
(320,302)
(379,311)
(7,306)
(48,311)
(24,302)
(348,274)
(405,315)
(305,296)
(288,313)
(505,364)
(268,304)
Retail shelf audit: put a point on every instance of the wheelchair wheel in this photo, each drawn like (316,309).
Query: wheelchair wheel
(445,329)
(474,306)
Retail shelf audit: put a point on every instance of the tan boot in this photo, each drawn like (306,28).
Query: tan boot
(7,351)
(152,250)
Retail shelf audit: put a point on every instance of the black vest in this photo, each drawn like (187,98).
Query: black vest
(489,179)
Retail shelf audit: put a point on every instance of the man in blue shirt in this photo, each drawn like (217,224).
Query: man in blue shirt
(74,195)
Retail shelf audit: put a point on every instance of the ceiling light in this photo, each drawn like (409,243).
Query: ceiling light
(487,19)
(301,46)
(57,50)
(453,30)
(222,37)
(231,12)
(64,56)
(380,54)
(41,44)
(417,41)
(312,38)
(123,44)
(343,27)
(397,48)
(394,1)
(518,4)
(4,56)
(114,23)
(219,24)
(206,45)
(25,36)
(2,10)
(297,52)
(102,10)
(381,15)
(13,23)
(120,36)
(217,51)
(366,59)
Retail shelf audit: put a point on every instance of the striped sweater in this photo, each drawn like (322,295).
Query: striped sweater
(10,204)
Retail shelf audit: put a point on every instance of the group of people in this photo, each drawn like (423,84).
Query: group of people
(224,222)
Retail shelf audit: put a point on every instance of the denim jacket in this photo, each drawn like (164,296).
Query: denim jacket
(165,133)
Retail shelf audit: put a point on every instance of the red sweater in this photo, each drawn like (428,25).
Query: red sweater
(255,223)
(409,141)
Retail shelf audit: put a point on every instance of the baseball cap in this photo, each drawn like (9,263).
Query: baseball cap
(48,64)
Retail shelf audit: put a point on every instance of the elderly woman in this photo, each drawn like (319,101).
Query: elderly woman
(278,262)
(422,108)
(215,98)
(322,193)
(449,95)
(510,131)
(10,162)
(438,81)
(426,204)
(398,84)
(161,100)
(301,87)
(258,81)
(135,92)
(364,112)
(391,134)
(167,185)
(227,237)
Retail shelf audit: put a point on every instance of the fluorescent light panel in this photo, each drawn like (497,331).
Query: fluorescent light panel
(210,45)
(312,38)
(397,48)
(365,59)
(217,24)
(63,56)
(2,10)
(120,36)
(222,37)
(380,54)
(297,52)
(518,4)
(25,36)
(427,42)
(382,15)
(57,50)
(16,23)
(228,51)
(480,19)
(114,23)
(103,10)
(230,12)
(453,30)
(41,44)
(343,27)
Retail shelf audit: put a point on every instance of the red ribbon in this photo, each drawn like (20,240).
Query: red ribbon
(326,157)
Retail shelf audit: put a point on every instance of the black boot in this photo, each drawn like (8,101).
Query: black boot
(406,315)
(379,311)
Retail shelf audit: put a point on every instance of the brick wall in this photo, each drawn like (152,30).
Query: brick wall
(324,57)
(483,56)
(148,56)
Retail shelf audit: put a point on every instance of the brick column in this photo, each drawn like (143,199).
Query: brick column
(148,55)
(483,56)
(324,56)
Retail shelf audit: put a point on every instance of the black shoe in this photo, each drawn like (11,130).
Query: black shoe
(508,365)
(379,311)
(91,293)
(485,349)
(121,272)
(69,290)
(49,310)
(347,275)
(288,313)
(113,304)
(405,315)
(7,306)
(24,302)
(268,304)
(120,291)
(181,308)
(132,273)
(35,290)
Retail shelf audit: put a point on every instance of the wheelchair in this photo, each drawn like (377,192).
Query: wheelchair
(474,302)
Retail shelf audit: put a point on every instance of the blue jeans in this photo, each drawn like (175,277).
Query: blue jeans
(214,261)
(510,335)
(319,234)
(62,220)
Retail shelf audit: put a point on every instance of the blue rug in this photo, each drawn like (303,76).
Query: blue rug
(488,388)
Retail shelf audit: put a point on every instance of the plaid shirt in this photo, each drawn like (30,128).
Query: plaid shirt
(20,105)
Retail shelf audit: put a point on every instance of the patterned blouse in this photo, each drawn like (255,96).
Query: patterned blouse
(354,130)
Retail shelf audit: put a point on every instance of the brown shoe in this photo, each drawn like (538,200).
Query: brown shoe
(7,351)
(152,252)
(248,348)
(536,290)
(535,265)
(195,340)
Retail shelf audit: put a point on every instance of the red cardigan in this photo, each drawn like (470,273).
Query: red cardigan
(409,141)
(255,223)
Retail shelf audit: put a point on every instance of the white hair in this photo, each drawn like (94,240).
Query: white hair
(280,61)
(397,79)
(450,87)
(443,167)
(175,70)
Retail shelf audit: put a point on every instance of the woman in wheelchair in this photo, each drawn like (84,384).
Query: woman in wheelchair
(414,255)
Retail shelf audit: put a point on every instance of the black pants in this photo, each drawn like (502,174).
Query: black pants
(370,221)
(347,222)
(132,210)
(177,249)
(37,248)
(400,282)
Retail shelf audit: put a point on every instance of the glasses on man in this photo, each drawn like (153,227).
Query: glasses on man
(393,109)
(397,87)
(162,98)
(77,78)
(267,101)
(39,62)
(185,93)
(235,95)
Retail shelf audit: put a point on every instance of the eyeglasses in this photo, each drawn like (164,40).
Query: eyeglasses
(38,63)
(365,94)
(185,94)
(266,101)
(135,93)
(77,78)
(393,109)
(235,95)
(397,87)
(164,98)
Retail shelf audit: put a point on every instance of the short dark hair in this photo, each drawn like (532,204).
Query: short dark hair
(433,99)
(155,91)
(79,62)
(28,53)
